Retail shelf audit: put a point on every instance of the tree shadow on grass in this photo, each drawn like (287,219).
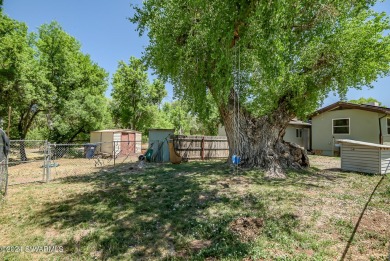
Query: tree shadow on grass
(304,178)
(163,212)
(151,214)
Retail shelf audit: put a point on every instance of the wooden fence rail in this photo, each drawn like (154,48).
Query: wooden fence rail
(201,147)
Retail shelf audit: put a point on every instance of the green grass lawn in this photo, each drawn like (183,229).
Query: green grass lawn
(198,211)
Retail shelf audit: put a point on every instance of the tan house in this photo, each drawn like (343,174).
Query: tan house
(297,132)
(343,120)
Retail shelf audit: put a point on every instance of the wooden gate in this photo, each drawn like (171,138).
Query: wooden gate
(201,147)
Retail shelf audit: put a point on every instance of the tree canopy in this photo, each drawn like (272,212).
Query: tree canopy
(179,116)
(293,50)
(46,78)
(368,100)
(279,59)
(78,104)
(135,99)
(23,85)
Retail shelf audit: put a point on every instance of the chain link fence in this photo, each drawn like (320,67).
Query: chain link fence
(41,161)
(26,161)
(80,159)
(3,177)
(4,149)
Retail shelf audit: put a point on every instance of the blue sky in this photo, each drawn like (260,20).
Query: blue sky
(105,33)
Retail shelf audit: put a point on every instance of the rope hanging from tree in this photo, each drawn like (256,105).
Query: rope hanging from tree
(236,159)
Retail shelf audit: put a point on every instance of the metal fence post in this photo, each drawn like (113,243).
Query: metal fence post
(44,161)
(114,151)
(48,170)
(6,176)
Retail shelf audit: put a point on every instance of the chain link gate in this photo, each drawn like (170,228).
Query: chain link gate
(26,161)
(40,161)
(65,160)
(3,177)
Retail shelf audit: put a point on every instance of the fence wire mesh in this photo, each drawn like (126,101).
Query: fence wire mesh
(25,161)
(38,160)
(3,176)
(81,159)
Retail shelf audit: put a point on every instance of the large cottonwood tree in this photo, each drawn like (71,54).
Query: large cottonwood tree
(283,57)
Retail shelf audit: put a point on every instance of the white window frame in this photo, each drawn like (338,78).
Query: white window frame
(298,133)
(349,126)
(388,125)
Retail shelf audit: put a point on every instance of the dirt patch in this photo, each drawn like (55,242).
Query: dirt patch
(197,245)
(247,228)
(377,221)
(325,163)
(81,234)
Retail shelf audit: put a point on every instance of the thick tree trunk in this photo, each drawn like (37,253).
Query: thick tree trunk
(259,140)
(22,144)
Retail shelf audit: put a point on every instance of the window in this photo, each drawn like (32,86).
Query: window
(341,126)
(388,125)
(298,133)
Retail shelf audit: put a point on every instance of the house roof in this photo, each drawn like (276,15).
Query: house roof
(356,142)
(118,130)
(300,123)
(161,129)
(347,105)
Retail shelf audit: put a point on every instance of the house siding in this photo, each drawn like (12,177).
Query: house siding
(360,158)
(291,135)
(364,126)
(385,161)
(386,136)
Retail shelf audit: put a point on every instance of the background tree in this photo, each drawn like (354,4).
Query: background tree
(187,121)
(45,78)
(179,116)
(363,100)
(78,104)
(23,85)
(135,99)
(279,59)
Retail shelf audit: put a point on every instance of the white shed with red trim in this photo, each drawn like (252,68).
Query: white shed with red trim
(120,141)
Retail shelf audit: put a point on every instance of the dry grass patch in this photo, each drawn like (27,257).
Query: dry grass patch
(199,211)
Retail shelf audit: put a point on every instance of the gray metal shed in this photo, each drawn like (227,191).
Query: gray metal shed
(364,156)
(159,138)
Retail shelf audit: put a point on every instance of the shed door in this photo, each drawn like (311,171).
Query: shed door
(125,144)
(117,143)
(138,142)
(128,143)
